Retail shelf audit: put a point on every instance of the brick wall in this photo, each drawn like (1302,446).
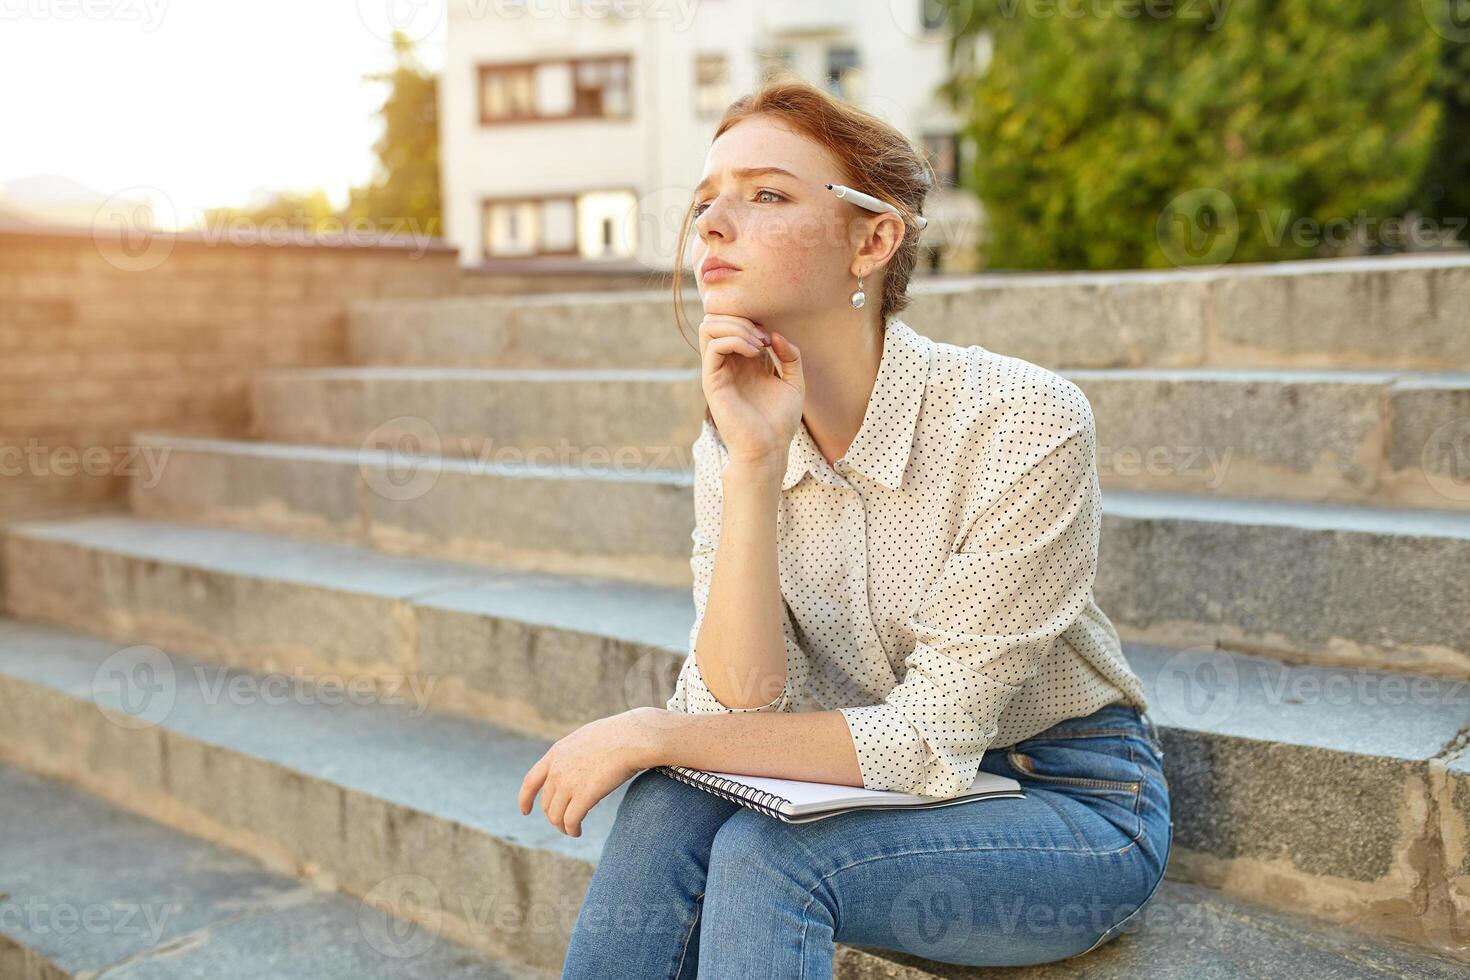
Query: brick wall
(100,337)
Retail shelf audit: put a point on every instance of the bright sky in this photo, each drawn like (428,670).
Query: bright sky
(209,101)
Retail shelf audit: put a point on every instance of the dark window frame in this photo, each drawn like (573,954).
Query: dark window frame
(578,109)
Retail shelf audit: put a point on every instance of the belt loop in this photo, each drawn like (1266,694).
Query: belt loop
(1153,732)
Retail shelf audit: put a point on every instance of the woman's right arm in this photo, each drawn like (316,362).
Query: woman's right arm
(743,652)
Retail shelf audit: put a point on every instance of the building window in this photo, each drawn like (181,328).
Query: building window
(557,89)
(844,74)
(507,93)
(943,150)
(711,84)
(592,225)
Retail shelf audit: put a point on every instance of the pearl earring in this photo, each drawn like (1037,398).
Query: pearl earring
(858,299)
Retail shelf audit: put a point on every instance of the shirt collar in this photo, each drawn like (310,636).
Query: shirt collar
(885,440)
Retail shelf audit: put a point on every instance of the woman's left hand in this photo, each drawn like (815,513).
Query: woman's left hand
(583,766)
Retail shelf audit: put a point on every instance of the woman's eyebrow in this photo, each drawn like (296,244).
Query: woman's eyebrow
(744,172)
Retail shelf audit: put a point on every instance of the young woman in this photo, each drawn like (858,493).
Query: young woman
(895,546)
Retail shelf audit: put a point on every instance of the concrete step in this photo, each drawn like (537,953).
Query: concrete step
(543,655)
(1328,583)
(1351,585)
(1356,813)
(90,889)
(621,522)
(1321,313)
(540,653)
(1360,436)
(631,419)
(1375,437)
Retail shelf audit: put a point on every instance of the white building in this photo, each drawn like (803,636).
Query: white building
(578,139)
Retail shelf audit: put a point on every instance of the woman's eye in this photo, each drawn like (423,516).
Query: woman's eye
(700,208)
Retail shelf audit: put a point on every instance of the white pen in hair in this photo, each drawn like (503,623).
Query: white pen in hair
(871,203)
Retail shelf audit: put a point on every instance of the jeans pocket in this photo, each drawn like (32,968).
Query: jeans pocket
(1104,763)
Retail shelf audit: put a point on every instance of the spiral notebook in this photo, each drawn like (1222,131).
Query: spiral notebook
(800,801)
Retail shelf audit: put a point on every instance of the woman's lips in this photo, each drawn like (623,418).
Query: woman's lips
(717,274)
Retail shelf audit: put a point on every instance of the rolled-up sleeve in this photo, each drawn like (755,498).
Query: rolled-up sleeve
(691,694)
(1022,573)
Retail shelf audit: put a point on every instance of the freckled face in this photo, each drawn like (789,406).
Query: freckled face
(787,234)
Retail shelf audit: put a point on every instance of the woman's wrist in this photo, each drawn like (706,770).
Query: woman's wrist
(758,473)
(648,746)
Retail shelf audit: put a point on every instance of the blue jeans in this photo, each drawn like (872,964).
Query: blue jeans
(690,885)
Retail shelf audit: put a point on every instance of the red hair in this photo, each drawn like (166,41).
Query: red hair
(872,156)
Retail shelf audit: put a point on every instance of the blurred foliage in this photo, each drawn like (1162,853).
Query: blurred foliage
(1197,134)
(406,188)
(403,197)
(1446,192)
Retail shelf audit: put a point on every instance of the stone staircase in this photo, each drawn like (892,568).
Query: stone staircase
(495,498)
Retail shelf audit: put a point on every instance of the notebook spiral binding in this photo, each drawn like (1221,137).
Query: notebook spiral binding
(767,803)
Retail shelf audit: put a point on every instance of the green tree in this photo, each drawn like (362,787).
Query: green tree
(403,196)
(1445,196)
(1197,136)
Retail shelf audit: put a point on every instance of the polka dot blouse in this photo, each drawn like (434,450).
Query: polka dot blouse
(937,580)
